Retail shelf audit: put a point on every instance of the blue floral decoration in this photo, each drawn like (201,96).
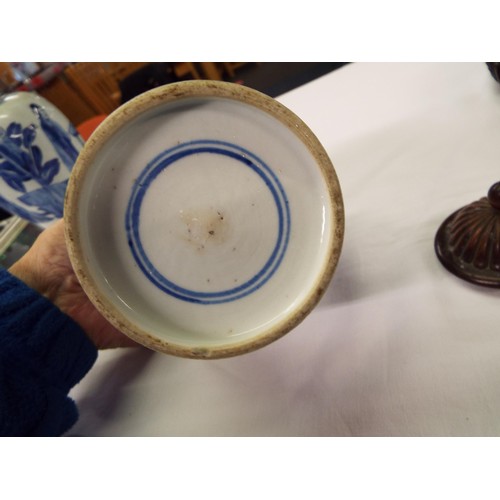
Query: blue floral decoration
(21,161)
(58,137)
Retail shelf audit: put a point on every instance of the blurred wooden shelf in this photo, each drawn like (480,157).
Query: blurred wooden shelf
(96,85)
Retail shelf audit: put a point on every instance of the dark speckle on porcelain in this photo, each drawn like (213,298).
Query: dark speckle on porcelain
(204,227)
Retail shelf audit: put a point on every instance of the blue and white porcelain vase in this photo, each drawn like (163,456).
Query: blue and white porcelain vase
(38,148)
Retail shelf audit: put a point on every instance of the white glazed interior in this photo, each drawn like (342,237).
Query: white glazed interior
(207,223)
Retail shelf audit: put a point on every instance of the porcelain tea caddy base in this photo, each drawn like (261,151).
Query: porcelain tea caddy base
(204,219)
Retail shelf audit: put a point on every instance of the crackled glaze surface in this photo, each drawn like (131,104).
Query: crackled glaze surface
(203,224)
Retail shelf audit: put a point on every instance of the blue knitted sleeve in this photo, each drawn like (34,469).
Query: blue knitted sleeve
(43,354)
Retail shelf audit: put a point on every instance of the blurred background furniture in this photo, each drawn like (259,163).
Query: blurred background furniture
(95,84)
(231,67)
(120,70)
(83,90)
(145,78)
(184,69)
(7,78)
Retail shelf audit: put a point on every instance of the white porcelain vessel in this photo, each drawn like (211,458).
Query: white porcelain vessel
(38,148)
(204,219)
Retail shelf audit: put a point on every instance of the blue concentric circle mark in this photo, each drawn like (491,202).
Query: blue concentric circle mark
(248,160)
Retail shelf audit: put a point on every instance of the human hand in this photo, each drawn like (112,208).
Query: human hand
(47,269)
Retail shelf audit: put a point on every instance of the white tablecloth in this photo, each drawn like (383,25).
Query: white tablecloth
(398,346)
